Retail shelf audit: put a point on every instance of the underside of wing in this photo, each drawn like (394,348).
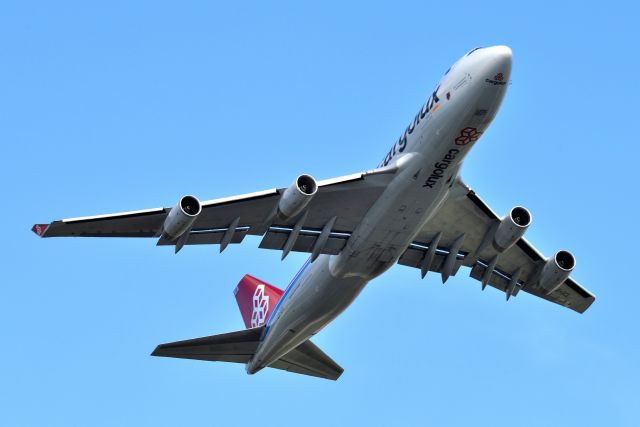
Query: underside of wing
(466,232)
(318,221)
(143,223)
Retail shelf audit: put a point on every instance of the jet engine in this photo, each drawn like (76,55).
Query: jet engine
(511,228)
(556,270)
(181,217)
(297,196)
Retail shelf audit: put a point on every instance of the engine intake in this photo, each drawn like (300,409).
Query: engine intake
(297,196)
(511,228)
(556,270)
(181,217)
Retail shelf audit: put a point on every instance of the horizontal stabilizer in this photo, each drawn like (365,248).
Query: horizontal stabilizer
(239,347)
(308,359)
(236,347)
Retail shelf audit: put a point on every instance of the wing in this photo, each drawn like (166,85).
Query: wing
(517,268)
(336,208)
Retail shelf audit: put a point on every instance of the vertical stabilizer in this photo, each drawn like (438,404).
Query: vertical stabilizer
(256,300)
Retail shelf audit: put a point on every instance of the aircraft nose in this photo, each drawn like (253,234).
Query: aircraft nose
(501,52)
(502,56)
(499,62)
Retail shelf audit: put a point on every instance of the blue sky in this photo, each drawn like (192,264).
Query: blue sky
(119,106)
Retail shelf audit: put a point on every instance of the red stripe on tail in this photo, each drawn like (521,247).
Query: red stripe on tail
(256,300)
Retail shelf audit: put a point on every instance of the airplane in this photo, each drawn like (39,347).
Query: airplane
(413,209)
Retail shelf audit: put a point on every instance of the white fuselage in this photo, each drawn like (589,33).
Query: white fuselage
(429,155)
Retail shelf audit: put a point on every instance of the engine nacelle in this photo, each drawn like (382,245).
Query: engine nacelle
(297,196)
(556,270)
(181,217)
(511,228)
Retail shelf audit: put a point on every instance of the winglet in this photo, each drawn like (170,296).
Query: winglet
(40,229)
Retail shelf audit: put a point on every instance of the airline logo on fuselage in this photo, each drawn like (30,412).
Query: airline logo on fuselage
(497,80)
(440,167)
(401,144)
(467,135)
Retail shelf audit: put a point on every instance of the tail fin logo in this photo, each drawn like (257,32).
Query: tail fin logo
(256,300)
(40,229)
(260,307)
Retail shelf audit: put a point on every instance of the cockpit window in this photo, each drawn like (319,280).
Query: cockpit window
(447,72)
(473,50)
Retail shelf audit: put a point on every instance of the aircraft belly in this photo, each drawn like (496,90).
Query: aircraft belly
(388,239)
(317,299)
(391,224)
